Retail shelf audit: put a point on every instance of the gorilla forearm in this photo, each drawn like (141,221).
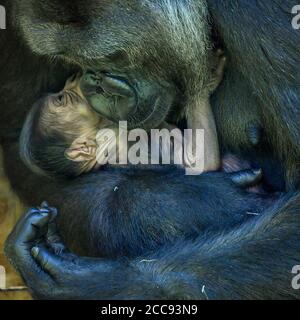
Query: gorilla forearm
(245,258)
(243,263)
(239,265)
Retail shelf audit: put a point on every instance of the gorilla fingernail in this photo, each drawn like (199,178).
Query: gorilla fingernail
(44,204)
(35,252)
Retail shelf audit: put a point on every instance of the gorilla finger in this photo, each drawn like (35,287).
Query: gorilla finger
(45,205)
(18,244)
(30,227)
(54,240)
(53,210)
(52,233)
(24,218)
(48,261)
(247,178)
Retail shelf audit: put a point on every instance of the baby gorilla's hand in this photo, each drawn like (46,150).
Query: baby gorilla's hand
(111,96)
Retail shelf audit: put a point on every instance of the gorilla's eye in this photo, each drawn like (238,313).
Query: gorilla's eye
(60,100)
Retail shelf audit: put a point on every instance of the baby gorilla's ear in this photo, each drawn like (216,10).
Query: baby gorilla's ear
(82,149)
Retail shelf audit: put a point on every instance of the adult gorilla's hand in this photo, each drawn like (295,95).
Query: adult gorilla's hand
(32,250)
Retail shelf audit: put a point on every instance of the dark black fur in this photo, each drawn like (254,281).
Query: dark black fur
(261,85)
(136,214)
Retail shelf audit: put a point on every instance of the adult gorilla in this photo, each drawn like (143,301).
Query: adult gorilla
(261,87)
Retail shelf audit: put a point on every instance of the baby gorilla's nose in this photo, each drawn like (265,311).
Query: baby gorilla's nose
(111,96)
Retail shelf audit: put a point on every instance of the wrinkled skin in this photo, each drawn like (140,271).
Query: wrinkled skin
(117,100)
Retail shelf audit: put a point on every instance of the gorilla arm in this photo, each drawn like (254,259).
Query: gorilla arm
(223,267)
(200,115)
(215,265)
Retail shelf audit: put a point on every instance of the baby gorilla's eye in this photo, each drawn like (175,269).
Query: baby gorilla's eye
(60,100)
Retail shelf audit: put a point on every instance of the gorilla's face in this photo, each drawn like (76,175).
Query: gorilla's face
(82,29)
(143,41)
(112,36)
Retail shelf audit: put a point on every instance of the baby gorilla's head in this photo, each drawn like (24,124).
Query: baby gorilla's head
(63,136)
(58,138)
(68,112)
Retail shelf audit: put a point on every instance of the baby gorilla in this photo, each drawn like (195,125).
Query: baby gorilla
(59,135)
(64,136)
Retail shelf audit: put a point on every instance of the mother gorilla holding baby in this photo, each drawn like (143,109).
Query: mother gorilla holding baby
(161,47)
